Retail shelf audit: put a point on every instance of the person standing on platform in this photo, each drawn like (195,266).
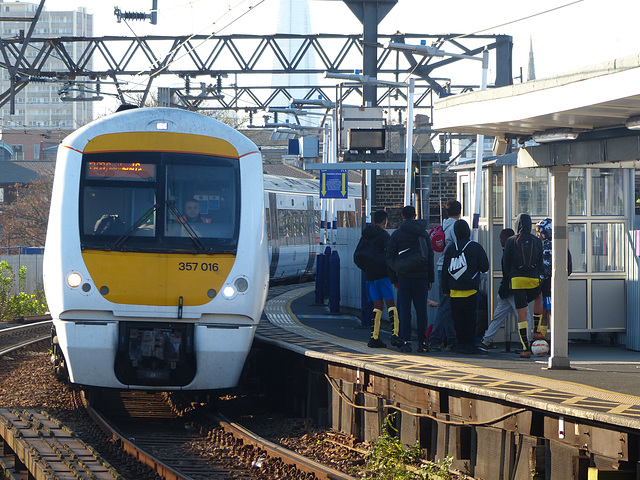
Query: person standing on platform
(544,229)
(371,257)
(506,304)
(443,323)
(464,261)
(523,263)
(410,256)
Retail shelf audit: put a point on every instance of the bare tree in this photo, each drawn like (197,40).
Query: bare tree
(25,220)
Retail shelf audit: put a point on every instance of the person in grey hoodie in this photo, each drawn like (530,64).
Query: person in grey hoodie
(443,324)
(464,261)
(413,284)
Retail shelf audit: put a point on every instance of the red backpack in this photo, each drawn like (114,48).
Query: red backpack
(437,238)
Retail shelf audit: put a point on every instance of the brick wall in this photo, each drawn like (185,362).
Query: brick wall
(390,195)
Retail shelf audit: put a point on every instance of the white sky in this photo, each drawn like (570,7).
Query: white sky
(587,32)
(582,33)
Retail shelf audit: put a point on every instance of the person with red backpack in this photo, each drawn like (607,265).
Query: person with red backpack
(443,324)
(523,264)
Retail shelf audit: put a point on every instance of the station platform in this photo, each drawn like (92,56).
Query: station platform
(602,378)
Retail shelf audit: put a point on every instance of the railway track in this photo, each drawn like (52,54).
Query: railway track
(150,435)
(198,445)
(20,336)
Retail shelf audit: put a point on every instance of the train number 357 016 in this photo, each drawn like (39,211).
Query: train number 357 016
(195,266)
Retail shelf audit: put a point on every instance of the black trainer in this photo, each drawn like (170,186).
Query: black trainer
(405,347)
(376,343)
(423,347)
(395,341)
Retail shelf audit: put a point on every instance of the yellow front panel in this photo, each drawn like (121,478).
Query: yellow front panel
(157,278)
(160,142)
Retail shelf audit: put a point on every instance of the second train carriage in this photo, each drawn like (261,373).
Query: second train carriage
(294,228)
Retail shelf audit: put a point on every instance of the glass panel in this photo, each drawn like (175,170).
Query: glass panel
(284,227)
(114,210)
(577,239)
(498,195)
(346,219)
(607,191)
(532,190)
(577,191)
(465,199)
(607,247)
(204,196)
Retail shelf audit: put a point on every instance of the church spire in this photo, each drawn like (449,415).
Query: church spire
(531,70)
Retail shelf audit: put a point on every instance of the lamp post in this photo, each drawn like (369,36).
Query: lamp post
(430,51)
(366,80)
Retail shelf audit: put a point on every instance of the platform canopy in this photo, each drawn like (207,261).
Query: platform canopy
(589,112)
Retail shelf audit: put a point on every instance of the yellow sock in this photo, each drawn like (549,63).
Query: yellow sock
(524,338)
(377,315)
(395,321)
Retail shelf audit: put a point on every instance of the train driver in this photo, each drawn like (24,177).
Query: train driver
(192,212)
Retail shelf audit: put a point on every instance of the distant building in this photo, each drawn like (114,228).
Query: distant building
(39,104)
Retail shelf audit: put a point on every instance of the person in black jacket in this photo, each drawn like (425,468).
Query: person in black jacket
(464,261)
(410,256)
(371,256)
(524,267)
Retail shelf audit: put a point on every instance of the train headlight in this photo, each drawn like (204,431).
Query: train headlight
(241,284)
(74,279)
(228,291)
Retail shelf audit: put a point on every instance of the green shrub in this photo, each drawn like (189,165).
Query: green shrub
(389,459)
(21,304)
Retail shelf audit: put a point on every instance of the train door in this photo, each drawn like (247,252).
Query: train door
(272,232)
(313,234)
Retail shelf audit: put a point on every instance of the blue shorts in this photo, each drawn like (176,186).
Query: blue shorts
(546,303)
(379,289)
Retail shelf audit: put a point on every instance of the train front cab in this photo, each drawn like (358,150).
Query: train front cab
(159,282)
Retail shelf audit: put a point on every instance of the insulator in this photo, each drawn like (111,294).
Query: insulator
(219,85)
(187,85)
(134,15)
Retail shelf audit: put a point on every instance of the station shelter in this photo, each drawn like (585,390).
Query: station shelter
(578,147)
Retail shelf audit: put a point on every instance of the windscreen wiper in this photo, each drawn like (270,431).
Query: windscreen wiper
(192,234)
(145,216)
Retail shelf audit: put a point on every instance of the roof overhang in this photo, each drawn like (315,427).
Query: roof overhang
(594,102)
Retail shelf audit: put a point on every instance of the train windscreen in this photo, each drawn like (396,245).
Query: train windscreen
(159,201)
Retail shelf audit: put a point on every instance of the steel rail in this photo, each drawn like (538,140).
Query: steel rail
(162,469)
(273,450)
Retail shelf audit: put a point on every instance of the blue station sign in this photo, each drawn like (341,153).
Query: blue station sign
(333,184)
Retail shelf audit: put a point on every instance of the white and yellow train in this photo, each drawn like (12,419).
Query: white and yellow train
(163,234)
(156,261)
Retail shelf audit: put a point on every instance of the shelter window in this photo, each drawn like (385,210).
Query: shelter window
(498,195)
(607,191)
(532,187)
(577,238)
(577,191)
(607,252)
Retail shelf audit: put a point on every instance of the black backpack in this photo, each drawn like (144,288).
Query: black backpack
(458,267)
(365,257)
(527,253)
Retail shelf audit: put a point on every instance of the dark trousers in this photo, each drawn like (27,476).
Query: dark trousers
(414,290)
(464,311)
